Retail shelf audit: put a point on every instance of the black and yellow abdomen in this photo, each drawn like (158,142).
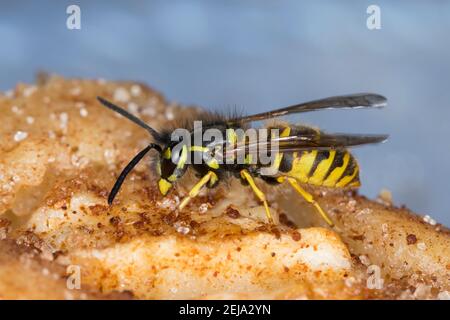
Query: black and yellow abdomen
(328,168)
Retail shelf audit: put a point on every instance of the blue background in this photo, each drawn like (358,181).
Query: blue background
(264,54)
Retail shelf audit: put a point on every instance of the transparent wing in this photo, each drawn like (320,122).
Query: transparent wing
(304,141)
(353,101)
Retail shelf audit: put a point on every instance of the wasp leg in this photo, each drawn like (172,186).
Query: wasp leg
(246,176)
(309,198)
(209,177)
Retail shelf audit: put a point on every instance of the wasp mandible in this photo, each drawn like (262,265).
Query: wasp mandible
(303,155)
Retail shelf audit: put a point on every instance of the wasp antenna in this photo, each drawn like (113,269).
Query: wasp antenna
(130,117)
(128,169)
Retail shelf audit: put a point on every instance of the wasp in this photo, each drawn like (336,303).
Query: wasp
(303,155)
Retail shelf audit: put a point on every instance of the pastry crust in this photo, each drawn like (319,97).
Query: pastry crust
(60,152)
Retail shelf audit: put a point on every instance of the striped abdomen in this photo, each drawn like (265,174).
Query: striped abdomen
(329,168)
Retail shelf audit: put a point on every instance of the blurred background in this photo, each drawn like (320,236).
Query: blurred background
(259,55)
